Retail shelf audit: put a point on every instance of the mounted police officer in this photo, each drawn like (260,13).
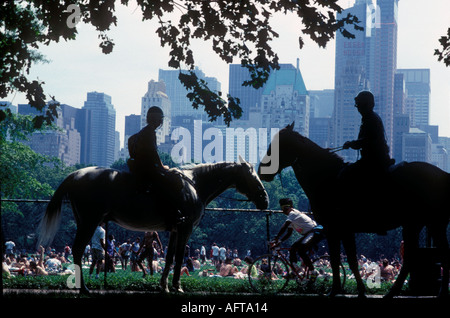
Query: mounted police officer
(145,163)
(370,171)
(371,138)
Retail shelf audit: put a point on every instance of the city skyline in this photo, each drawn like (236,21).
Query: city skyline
(124,74)
(284,91)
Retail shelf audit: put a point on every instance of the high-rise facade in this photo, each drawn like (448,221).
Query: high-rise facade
(366,62)
(417,86)
(285,99)
(132,126)
(156,96)
(64,143)
(180,104)
(353,68)
(249,97)
(385,64)
(101,140)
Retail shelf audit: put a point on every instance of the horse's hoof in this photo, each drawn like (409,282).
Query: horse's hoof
(179,290)
(332,294)
(165,289)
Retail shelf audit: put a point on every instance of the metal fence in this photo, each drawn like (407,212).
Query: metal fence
(237,229)
(241,229)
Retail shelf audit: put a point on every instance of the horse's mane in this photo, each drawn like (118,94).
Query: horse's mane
(314,150)
(205,167)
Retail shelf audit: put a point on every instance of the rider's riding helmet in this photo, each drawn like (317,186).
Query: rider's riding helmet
(155,116)
(365,100)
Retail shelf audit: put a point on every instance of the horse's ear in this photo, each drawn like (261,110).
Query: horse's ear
(291,126)
(241,160)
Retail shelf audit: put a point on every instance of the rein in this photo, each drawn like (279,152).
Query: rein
(336,149)
(234,199)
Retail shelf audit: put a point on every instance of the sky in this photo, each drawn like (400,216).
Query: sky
(78,67)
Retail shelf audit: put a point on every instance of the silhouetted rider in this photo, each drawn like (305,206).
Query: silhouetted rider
(371,138)
(144,160)
(370,169)
(146,164)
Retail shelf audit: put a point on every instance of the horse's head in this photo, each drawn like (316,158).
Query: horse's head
(251,186)
(279,155)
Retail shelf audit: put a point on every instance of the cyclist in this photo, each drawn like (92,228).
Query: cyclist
(310,231)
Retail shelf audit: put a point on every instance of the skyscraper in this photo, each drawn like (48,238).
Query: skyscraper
(132,126)
(367,62)
(180,104)
(101,139)
(63,144)
(417,86)
(156,96)
(385,64)
(249,97)
(352,72)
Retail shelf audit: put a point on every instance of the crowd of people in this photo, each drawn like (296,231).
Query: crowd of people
(41,263)
(147,255)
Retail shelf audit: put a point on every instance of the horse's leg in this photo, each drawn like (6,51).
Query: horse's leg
(350,250)
(439,233)
(334,246)
(183,236)
(84,234)
(169,261)
(411,239)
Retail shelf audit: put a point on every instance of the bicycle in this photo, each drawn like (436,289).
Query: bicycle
(271,273)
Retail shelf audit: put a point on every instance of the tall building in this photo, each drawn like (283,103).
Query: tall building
(417,86)
(63,144)
(385,64)
(180,104)
(100,149)
(132,126)
(401,127)
(321,103)
(352,71)
(285,99)
(80,118)
(156,96)
(366,62)
(249,97)
(416,146)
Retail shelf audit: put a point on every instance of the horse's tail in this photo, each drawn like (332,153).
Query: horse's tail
(50,222)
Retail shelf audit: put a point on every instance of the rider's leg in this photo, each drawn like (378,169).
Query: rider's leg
(306,244)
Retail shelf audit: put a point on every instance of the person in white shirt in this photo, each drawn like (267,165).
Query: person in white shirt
(310,231)
(203,254)
(10,246)
(215,254)
(97,249)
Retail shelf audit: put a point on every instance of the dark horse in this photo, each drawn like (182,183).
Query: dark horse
(414,195)
(99,194)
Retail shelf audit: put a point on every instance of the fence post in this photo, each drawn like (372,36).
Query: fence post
(105,268)
(268,230)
